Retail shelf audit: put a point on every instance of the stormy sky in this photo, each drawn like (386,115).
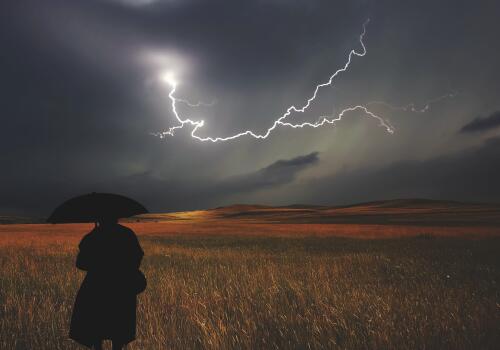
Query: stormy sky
(81,94)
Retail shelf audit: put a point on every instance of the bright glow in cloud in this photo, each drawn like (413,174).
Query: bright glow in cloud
(168,78)
(165,60)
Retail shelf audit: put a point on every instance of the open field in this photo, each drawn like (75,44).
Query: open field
(265,291)
(240,284)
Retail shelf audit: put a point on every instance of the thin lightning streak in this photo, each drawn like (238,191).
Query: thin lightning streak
(411,107)
(197,104)
(280,121)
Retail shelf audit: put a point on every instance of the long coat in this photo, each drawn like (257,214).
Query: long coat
(105,306)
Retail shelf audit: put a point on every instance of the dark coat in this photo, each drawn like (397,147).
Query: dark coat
(105,306)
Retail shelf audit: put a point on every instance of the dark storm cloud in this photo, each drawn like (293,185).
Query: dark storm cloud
(469,175)
(77,109)
(483,124)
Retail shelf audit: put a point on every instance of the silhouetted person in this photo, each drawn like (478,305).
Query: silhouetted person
(105,306)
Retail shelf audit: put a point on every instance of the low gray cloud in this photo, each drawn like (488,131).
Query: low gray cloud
(279,173)
(483,124)
(158,194)
(166,194)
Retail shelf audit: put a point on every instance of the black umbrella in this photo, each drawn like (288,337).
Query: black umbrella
(95,206)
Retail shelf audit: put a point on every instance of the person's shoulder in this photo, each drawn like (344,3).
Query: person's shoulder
(125,230)
(127,235)
(89,237)
(91,234)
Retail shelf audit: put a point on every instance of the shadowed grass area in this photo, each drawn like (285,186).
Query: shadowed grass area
(234,292)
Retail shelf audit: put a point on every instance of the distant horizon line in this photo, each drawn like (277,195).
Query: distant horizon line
(407,200)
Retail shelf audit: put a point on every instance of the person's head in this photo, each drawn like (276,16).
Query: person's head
(107,221)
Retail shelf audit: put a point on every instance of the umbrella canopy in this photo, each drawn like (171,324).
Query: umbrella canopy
(95,206)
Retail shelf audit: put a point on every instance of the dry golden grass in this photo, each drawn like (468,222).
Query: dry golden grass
(261,286)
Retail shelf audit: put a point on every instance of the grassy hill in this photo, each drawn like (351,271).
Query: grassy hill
(397,211)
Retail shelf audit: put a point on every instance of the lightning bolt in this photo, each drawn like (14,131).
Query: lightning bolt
(323,120)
